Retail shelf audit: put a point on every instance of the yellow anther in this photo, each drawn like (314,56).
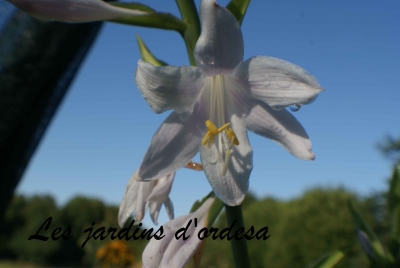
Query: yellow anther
(211,127)
(208,138)
(232,136)
(212,131)
(224,127)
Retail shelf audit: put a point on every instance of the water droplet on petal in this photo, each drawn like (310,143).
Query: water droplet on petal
(295,107)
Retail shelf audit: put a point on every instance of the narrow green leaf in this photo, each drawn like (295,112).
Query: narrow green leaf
(147,56)
(214,211)
(198,203)
(361,224)
(190,16)
(394,190)
(328,260)
(394,209)
(153,19)
(238,8)
(396,223)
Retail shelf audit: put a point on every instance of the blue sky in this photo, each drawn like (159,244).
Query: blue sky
(103,128)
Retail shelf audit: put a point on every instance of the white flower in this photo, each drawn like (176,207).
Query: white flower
(142,195)
(73,10)
(170,252)
(231,95)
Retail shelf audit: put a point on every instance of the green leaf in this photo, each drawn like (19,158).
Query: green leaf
(396,223)
(238,8)
(379,253)
(215,208)
(153,19)
(147,56)
(328,260)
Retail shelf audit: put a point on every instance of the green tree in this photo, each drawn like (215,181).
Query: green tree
(301,230)
(26,216)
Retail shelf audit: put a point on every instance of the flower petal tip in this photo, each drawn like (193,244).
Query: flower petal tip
(308,156)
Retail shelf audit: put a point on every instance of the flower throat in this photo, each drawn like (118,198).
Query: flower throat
(226,137)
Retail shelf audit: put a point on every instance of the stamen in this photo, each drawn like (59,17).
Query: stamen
(194,166)
(211,127)
(209,139)
(212,131)
(229,152)
(232,136)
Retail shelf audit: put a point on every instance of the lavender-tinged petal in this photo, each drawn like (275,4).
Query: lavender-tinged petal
(169,207)
(281,127)
(219,48)
(134,200)
(154,208)
(277,82)
(170,252)
(161,190)
(174,144)
(168,87)
(73,10)
(232,187)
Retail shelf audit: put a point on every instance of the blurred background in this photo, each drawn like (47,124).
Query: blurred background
(103,126)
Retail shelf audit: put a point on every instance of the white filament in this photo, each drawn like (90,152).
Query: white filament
(217,115)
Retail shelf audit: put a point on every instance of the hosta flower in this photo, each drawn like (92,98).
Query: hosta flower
(217,101)
(139,196)
(73,10)
(170,252)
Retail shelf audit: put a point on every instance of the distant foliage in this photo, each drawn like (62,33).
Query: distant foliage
(301,230)
(25,216)
(390,147)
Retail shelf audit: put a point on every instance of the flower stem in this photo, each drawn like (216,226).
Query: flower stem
(191,34)
(239,247)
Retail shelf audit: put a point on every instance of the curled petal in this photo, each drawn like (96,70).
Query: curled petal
(155,208)
(140,195)
(134,200)
(73,10)
(232,187)
(277,82)
(281,127)
(161,190)
(170,252)
(168,87)
(219,48)
(174,144)
(160,196)
(169,207)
